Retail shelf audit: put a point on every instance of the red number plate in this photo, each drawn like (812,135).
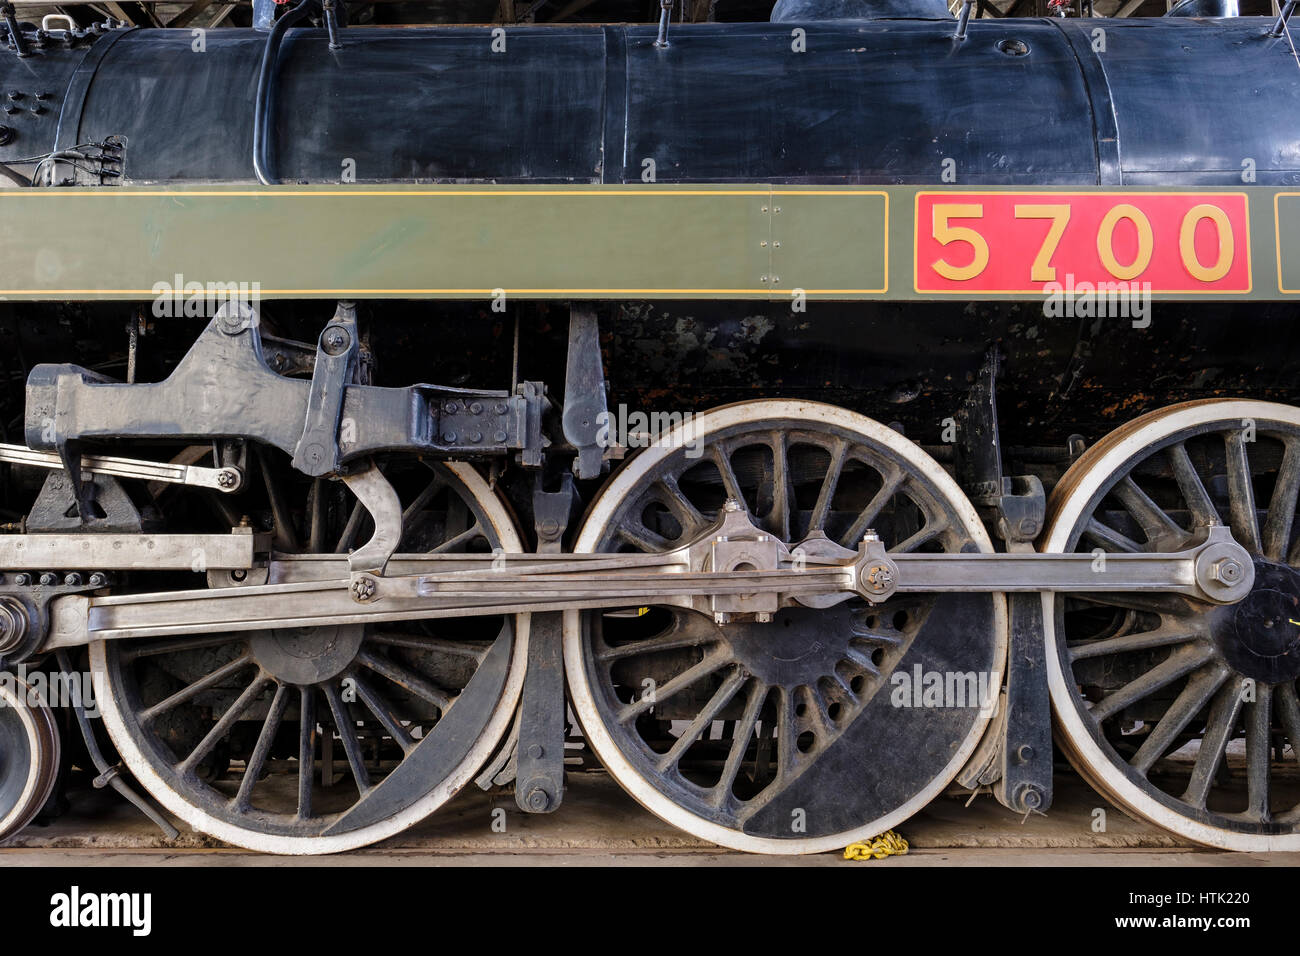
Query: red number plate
(1049,242)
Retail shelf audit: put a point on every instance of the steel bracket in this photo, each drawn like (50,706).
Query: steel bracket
(539,762)
(317,451)
(1025,781)
(585,408)
(223,388)
(1020,766)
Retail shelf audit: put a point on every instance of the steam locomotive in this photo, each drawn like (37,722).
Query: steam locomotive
(798,563)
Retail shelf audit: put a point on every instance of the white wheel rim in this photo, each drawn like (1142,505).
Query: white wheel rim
(582,693)
(1097,764)
(478,755)
(44,749)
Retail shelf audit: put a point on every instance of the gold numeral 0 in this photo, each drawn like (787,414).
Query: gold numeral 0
(1105,244)
(1187,243)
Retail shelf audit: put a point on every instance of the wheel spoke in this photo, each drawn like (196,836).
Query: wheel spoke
(384,714)
(418,642)
(711,662)
(257,760)
(1157,526)
(643,539)
(405,678)
(730,483)
(928,533)
(704,719)
(1288,711)
(353,527)
(1175,666)
(815,714)
(785,738)
(822,509)
(681,508)
(285,538)
(422,499)
(778,520)
(867,517)
(190,691)
(742,734)
(1281,508)
(1259,726)
(1109,538)
(306,748)
(347,729)
(454,542)
(173,644)
(1214,742)
(1170,605)
(687,629)
(1199,690)
(1241,494)
(1192,488)
(223,726)
(316,532)
(1144,640)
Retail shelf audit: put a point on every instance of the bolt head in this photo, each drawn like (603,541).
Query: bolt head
(1228,571)
(22,580)
(536,751)
(870,535)
(226,478)
(97,580)
(49,579)
(721,617)
(732,505)
(763,617)
(363,589)
(1031,798)
(335,340)
(72,580)
(538,799)
(878,578)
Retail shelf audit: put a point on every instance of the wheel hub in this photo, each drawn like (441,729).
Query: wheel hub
(308,655)
(1260,636)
